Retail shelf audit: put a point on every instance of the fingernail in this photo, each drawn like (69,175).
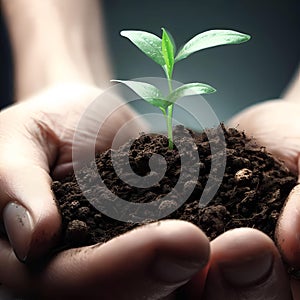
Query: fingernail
(19,227)
(249,271)
(172,271)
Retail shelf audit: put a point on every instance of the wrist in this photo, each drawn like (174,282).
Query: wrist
(55,41)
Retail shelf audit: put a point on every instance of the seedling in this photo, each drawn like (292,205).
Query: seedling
(162,51)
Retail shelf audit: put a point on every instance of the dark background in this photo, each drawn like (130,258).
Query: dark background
(245,74)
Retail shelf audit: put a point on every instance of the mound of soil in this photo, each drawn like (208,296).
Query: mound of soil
(252,193)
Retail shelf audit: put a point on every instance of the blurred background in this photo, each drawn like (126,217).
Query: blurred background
(243,75)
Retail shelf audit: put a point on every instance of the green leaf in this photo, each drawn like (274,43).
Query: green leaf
(171,39)
(190,89)
(148,92)
(168,52)
(147,42)
(209,39)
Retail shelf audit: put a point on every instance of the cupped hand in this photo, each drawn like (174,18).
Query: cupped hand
(36,142)
(276,125)
(148,263)
(167,260)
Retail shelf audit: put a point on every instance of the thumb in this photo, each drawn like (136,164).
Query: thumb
(245,264)
(27,205)
(150,262)
(30,215)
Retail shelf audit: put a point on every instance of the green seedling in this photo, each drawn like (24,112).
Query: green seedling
(163,52)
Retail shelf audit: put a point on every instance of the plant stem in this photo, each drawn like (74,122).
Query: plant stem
(170,84)
(169,126)
(170,115)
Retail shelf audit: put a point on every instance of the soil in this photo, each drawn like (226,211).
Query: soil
(252,193)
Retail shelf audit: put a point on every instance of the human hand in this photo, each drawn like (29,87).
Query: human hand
(147,263)
(36,140)
(244,264)
(36,137)
(275,124)
(152,262)
(46,145)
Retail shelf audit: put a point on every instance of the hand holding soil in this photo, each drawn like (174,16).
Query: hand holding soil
(170,259)
(276,124)
(155,251)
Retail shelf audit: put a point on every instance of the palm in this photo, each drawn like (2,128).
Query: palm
(54,114)
(275,124)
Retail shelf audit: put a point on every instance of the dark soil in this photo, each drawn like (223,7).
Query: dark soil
(252,193)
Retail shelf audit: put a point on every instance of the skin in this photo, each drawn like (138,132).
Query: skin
(276,125)
(164,260)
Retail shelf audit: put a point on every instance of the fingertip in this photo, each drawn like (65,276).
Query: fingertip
(239,242)
(181,238)
(243,251)
(30,213)
(30,239)
(245,256)
(179,252)
(171,241)
(245,263)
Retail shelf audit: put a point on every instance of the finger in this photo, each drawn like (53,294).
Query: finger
(288,229)
(27,203)
(147,263)
(30,215)
(245,264)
